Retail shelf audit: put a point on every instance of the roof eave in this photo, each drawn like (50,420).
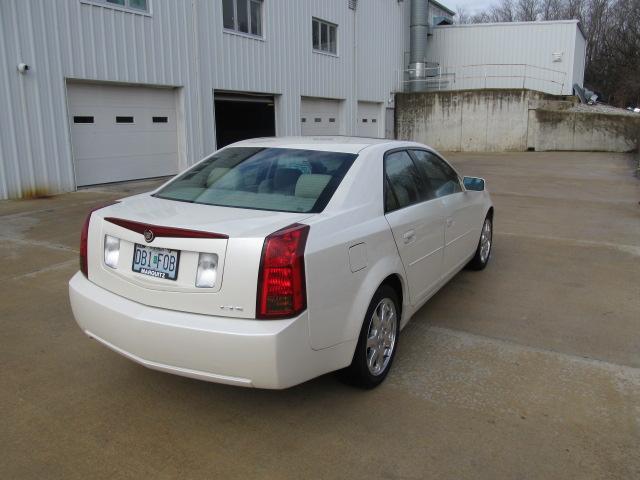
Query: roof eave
(443,7)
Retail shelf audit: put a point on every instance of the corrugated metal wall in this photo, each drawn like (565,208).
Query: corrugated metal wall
(180,44)
(531,43)
(579,58)
(374,44)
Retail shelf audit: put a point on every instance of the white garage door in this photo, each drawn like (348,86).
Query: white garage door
(122,132)
(368,119)
(320,116)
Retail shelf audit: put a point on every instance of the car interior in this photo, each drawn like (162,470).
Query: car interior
(272,179)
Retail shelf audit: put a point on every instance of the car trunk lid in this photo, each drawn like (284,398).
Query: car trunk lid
(183,231)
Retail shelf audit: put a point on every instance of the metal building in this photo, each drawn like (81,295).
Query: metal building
(544,56)
(97,91)
(125,89)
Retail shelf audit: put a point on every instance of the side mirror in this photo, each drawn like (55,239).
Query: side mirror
(475,184)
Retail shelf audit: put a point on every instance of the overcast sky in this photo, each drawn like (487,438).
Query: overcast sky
(471,6)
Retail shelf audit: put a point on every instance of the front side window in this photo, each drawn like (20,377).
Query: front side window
(277,179)
(404,183)
(243,16)
(324,36)
(441,179)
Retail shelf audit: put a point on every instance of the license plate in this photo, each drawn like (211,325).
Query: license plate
(156,262)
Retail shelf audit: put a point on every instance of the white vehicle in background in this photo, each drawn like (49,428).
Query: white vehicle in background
(277,260)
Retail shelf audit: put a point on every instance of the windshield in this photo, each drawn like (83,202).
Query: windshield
(279,179)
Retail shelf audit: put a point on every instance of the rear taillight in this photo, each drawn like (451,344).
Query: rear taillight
(281,280)
(84,236)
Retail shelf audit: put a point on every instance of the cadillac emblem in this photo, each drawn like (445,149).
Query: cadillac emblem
(148,236)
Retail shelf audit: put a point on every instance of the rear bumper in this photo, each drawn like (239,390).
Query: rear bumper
(250,353)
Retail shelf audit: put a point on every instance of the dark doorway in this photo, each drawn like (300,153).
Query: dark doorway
(242,116)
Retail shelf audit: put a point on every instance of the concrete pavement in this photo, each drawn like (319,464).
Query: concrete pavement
(530,369)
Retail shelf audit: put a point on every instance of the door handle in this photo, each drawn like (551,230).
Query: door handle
(409,236)
(450,222)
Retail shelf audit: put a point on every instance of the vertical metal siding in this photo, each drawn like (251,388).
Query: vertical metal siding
(580,53)
(181,44)
(381,30)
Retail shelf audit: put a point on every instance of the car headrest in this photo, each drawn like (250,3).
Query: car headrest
(284,179)
(311,185)
(216,174)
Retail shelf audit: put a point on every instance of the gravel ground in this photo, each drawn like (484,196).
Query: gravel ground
(608,109)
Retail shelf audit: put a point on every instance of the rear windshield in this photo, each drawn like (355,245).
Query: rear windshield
(279,179)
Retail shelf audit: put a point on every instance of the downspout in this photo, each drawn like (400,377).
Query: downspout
(196,64)
(418,33)
(353,5)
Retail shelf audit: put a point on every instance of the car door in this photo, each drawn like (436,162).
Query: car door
(459,239)
(417,222)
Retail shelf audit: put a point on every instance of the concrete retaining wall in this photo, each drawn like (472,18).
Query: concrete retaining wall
(582,131)
(509,120)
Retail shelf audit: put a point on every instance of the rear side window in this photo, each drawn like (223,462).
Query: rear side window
(441,179)
(278,179)
(405,185)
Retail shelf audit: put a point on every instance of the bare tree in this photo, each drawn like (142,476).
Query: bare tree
(462,16)
(504,11)
(481,17)
(573,9)
(551,10)
(613,57)
(527,10)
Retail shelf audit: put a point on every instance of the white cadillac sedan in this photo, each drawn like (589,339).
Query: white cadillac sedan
(277,260)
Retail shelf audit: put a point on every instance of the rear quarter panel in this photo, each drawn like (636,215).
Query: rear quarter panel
(337,297)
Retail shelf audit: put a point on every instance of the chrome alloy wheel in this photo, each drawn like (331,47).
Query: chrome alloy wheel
(485,241)
(381,336)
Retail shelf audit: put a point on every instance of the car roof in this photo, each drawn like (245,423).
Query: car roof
(334,143)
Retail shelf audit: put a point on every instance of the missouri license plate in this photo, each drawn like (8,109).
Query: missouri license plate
(156,262)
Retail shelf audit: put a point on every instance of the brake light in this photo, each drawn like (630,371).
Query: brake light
(84,236)
(281,279)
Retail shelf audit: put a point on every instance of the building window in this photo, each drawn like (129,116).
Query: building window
(124,119)
(160,119)
(244,16)
(82,119)
(138,6)
(324,36)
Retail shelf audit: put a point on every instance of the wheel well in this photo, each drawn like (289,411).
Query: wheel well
(394,282)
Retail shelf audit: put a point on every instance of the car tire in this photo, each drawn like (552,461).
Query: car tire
(483,252)
(378,338)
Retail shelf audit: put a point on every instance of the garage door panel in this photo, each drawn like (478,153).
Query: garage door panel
(105,117)
(119,169)
(106,150)
(319,116)
(93,95)
(113,144)
(369,123)
(108,126)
